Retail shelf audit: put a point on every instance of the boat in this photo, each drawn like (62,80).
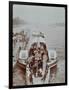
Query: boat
(38,63)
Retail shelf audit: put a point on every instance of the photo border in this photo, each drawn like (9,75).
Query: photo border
(11,3)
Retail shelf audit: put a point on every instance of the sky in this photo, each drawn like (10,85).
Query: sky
(39,14)
(49,20)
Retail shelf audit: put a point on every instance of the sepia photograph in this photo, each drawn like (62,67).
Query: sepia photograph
(38,44)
